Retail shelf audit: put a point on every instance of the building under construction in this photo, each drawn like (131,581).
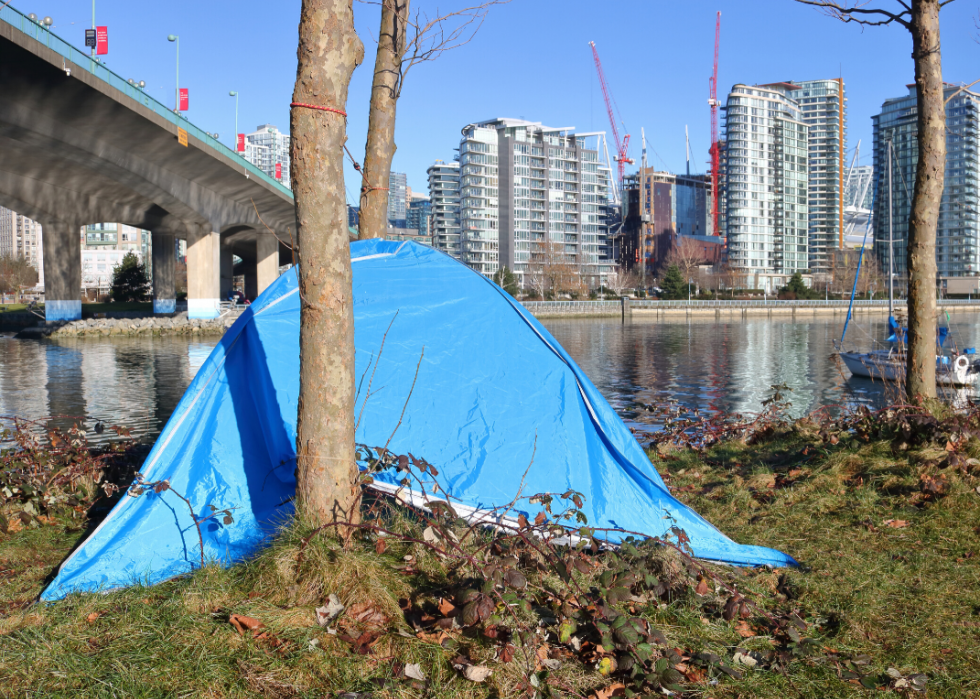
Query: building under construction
(661,208)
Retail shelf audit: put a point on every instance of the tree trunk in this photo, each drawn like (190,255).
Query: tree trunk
(326,473)
(380,147)
(926,197)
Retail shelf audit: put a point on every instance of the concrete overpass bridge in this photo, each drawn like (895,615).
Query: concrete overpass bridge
(80,145)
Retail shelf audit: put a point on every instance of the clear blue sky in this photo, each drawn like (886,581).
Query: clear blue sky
(531,59)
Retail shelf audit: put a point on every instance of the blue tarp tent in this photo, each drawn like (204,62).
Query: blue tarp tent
(492,384)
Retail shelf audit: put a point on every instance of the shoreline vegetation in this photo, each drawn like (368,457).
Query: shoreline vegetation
(879,507)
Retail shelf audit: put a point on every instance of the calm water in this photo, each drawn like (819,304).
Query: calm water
(709,365)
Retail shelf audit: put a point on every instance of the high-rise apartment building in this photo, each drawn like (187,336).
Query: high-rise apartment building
(397,200)
(766,184)
(267,147)
(958,232)
(21,237)
(419,215)
(444,200)
(823,106)
(524,186)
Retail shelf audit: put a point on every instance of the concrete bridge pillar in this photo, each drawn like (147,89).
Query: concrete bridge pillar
(164,288)
(265,269)
(62,260)
(227,272)
(266,262)
(203,272)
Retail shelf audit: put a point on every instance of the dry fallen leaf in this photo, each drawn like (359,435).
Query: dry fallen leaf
(614,690)
(476,673)
(363,643)
(446,608)
(367,614)
(413,671)
(696,675)
(436,638)
(895,523)
(330,611)
(244,623)
(744,659)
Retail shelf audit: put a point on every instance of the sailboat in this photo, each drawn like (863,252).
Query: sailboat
(890,364)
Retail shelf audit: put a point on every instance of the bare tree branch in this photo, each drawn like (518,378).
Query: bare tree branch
(846,11)
(962,89)
(431,36)
(402,43)
(431,39)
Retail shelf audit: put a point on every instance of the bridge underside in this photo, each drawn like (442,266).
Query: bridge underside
(74,150)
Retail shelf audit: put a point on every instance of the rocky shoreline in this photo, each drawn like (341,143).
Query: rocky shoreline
(176,324)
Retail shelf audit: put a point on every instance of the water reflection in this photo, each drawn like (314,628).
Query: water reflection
(705,364)
(730,366)
(133,382)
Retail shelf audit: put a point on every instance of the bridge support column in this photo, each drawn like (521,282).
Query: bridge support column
(227,272)
(266,262)
(264,270)
(164,289)
(203,272)
(62,261)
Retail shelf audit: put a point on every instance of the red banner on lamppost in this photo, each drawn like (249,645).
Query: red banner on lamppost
(101,40)
(241,143)
(278,171)
(183,100)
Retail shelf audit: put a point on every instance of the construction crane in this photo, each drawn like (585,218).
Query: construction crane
(715,148)
(621,146)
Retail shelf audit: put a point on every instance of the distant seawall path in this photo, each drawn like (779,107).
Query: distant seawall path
(179,324)
(645,309)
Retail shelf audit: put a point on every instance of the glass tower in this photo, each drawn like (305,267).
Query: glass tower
(766,194)
(958,232)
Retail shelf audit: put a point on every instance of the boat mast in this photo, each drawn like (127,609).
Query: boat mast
(891,253)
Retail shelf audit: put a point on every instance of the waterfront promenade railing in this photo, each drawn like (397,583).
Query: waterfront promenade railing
(82,60)
(616,307)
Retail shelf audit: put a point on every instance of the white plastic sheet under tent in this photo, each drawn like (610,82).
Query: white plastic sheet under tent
(492,384)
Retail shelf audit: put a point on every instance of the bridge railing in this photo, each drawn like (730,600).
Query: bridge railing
(81,59)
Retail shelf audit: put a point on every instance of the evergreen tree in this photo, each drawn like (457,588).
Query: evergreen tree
(673,284)
(506,280)
(129,280)
(796,287)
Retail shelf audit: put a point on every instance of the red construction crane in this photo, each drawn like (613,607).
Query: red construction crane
(623,146)
(715,154)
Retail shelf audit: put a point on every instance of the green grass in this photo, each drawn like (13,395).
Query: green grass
(907,597)
(90,309)
(14,307)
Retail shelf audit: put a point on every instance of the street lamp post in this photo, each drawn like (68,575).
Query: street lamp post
(176,39)
(93,26)
(234,94)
